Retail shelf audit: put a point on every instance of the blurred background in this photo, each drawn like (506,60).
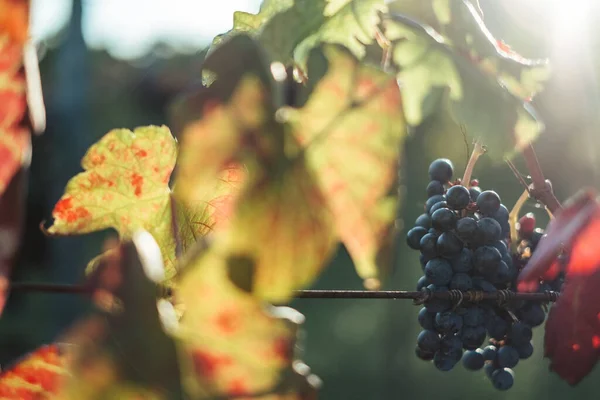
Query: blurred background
(117,63)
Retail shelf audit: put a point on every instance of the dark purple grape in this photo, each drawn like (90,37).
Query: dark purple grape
(458,197)
(437,206)
(520,333)
(448,245)
(525,350)
(488,230)
(443,362)
(489,369)
(501,246)
(432,200)
(441,170)
(422,283)
(426,319)
(463,262)
(489,353)
(474,192)
(448,322)
(508,357)
(423,354)
(503,379)
(473,360)
(474,316)
(437,305)
(424,220)
(488,202)
(486,260)
(443,219)
(461,281)
(497,328)
(414,236)
(428,340)
(480,283)
(532,314)
(435,188)
(428,245)
(473,336)
(502,275)
(451,345)
(438,271)
(466,229)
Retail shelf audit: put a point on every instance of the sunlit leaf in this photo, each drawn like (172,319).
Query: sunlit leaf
(15,146)
(353,128)
(39,375)
(231,343)
(572,340)
(125,186)
(297,197)
(121,351)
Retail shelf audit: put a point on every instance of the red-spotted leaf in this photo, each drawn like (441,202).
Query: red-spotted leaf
(232,345)
(39,375)
(125,186)
(353,128)
(572,340)
(15,145)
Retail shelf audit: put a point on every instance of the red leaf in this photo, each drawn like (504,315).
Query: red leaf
(572,339)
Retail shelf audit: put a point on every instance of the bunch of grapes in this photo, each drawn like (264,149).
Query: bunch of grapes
(464,240)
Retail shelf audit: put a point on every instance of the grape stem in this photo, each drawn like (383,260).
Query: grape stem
(540,189)
(478,151)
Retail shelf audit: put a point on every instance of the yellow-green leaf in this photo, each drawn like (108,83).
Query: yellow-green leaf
(231,344)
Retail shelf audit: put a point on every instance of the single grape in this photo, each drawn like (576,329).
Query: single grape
(435,188)
(502,275)
(424,220)
(520,333)
(461,281)
(488,202)
(428,340)
(480,283)
(473,359)
(466,229)
(486,260)
(508,357)
(501,216)
(441,170)
(428,245)
(432,200)
(489,353)
(497,328)
(474,192)
(501,246)
(451,345)
(443,219)
(489,369)
(448,322)
(463,262)
(438,271)
(443,362)
(448,245)
(503,379)
(525,350)
(437,305)
(489,230)
(474,316)
(426,319)
(473,336)
(423,354)
(414,236)
(458,197)
(532,314)
(422,283)
(437,206)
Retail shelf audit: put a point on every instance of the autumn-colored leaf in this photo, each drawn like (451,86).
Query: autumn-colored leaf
(39,375)
(353,128)
(232,345)
(15,146)
(572,340)
(299,180)
(121,350)
(125,186)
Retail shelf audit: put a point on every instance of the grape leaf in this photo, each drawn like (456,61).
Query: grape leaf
(121,350)
(15,142)
(462,56)
(38,375)
(293,193)
(572,340)
(125,186)
(232,345)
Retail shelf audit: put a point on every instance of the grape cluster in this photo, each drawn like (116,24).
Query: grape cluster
(464,240)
